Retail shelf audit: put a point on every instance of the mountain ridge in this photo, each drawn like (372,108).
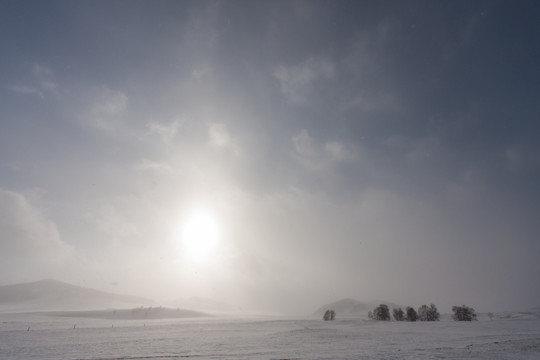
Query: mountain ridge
(51,294)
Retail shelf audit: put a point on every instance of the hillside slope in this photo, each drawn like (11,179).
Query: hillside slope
(51,294)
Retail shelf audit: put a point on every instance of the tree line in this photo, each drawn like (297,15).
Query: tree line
(424,313)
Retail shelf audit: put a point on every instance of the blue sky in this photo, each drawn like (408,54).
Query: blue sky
(375,150)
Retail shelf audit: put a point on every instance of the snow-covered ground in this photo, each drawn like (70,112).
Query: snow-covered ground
(265,338)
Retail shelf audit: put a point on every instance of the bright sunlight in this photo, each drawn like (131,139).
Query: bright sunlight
(200,236)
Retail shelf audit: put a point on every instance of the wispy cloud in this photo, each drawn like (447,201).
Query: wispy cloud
(220,137)
(26,233)
(166,131)
(320,155)
(200,73)
(157,166)
(40,82)
(298,82)
(27,90)
(106,112)
(45,77)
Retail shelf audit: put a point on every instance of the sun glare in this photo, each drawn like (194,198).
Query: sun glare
(200,236)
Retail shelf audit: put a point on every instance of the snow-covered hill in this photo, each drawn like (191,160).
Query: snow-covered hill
(51,294)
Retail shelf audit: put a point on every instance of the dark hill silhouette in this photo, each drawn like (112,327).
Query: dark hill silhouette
(51,294)
(352,307)
(140,313)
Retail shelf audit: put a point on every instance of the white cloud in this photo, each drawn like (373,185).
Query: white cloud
(320,155)
(364,76)
(220,137)
(41,81)
(150,165)
(200,33)
(27,90)
(166,131)
(200,73)
(303,144)
(297,82)
(338,151)
(107,110)
(26,233)
(45,77)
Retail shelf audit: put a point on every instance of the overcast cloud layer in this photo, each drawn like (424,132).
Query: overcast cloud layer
(375,150)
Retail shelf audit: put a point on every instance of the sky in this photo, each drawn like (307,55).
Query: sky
(274,155)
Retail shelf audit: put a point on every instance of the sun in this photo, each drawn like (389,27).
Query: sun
(200,235)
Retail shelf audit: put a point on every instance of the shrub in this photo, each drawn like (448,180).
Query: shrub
(463,313)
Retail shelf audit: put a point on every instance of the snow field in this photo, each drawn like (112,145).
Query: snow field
(265,338)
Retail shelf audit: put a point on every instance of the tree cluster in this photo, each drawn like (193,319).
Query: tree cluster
(464,313)
(398,314)
(329,315)
(412,315)
(381,312)
(425,313)
(428,313)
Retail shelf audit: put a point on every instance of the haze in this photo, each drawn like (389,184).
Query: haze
(318,150)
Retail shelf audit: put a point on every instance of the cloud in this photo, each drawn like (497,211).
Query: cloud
(200,34)
(157,166)
(298,82)
(41,82)
(303,144)
(45,76)
(27,90)
(166,131)
(338,151)
(417,151)
(107,110)
(220,137)
(200,73)
(320,156)
(26,234)
(365,79)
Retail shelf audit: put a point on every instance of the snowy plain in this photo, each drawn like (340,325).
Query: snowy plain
(41,336)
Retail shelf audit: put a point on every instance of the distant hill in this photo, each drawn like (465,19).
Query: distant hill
(352,307)
(51,294)
(205,305)
(140,313)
